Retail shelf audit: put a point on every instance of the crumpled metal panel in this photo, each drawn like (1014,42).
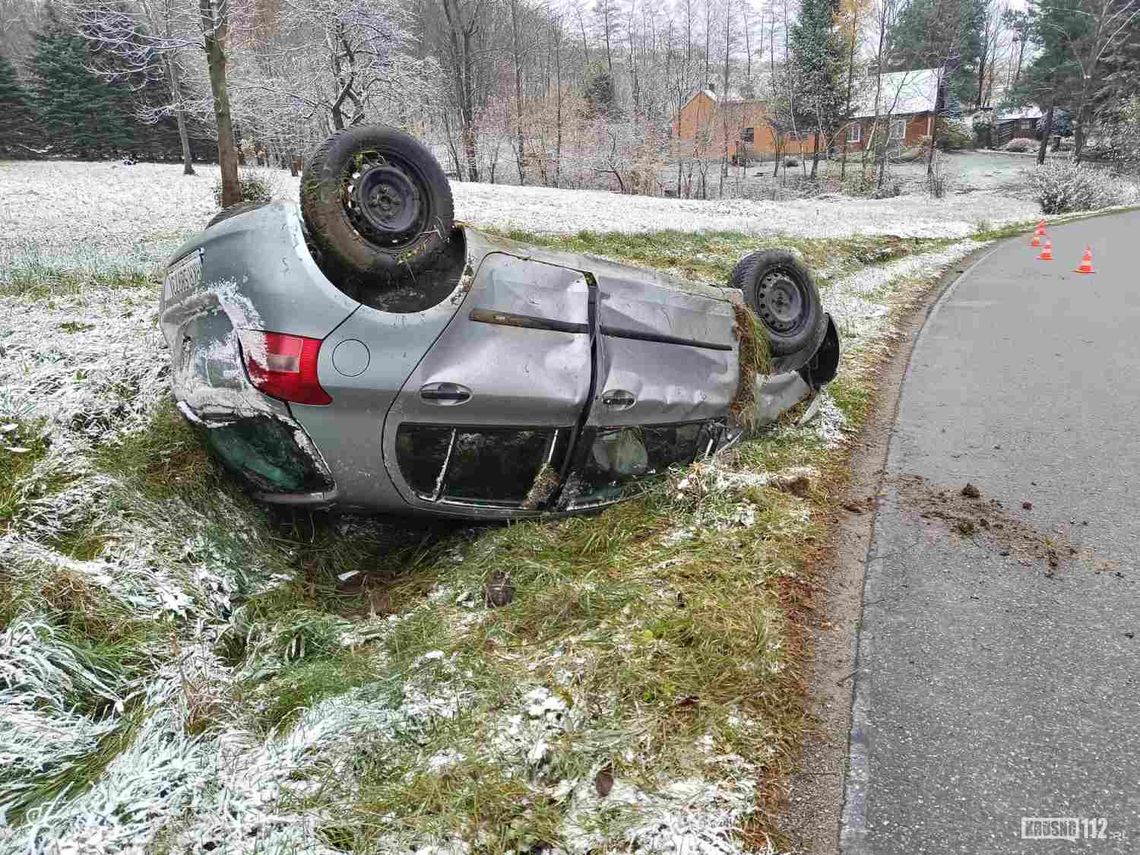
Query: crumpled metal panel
(776,394)
(644,307)
(667,382)
(502,348)
(519,347)
(666,355)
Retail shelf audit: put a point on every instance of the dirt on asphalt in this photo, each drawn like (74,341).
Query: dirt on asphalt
(966,513)
(814,794)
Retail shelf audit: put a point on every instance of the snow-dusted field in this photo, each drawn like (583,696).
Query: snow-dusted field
(84,212)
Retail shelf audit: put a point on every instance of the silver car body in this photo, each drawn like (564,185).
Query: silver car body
(542,382)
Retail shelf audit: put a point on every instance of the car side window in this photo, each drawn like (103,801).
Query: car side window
(620,459)
(484,466)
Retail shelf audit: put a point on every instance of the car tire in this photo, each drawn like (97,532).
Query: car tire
(780,289)
(378,205)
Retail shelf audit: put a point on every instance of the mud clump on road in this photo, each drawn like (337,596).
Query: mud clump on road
(986,521)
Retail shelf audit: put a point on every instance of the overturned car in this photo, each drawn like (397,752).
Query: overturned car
(361,350)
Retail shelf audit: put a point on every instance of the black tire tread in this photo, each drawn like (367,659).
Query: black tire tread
(233,211)
(347,253)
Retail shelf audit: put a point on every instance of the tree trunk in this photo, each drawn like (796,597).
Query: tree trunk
(214,30)
(520,134)
(1047,130)
(558,108)
(1079,129)
(180,116)
(938,107)
(850,86)
(933,143)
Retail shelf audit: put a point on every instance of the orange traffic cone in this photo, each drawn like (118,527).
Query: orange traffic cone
(1046,251)
(1036,242)
(1086,262)
(1038,233)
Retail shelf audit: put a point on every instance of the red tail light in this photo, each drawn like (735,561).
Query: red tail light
(284,366)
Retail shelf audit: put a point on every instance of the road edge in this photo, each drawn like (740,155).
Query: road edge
(820,807)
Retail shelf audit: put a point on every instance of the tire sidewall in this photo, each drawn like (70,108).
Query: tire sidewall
(748,275)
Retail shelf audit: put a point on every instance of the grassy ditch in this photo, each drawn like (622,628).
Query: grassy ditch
(587,683)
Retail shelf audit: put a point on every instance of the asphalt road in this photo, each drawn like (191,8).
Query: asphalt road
(990,686)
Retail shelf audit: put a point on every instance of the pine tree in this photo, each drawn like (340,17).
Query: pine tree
(817,72)
(1053,78)
(942,34)
(1117,102)
(599,89)
(84,114)
(1082,46)
(17,119)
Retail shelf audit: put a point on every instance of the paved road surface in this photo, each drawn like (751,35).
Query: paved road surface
(989,690)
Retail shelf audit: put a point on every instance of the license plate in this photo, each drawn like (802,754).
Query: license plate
(183,277)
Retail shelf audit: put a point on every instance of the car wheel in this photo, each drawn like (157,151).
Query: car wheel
(377,203)
(780,289)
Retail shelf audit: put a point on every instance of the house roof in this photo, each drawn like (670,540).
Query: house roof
(697,92)
(1029,111)
(734,96)
(902,92)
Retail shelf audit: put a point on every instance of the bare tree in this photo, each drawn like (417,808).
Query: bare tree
(463,28)
(149,39)
(853,13)
(606,15)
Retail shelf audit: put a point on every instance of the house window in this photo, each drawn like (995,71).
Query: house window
(855,133)
(749,134)
(898,129)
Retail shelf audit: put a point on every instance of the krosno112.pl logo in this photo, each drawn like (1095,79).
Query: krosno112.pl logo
(1070,828)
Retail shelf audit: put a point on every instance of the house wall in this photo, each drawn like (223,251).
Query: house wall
(1006,130)
(694,116)
(918,125)
(705,125)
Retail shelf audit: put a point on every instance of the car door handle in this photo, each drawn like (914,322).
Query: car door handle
(619,399)
(445,394)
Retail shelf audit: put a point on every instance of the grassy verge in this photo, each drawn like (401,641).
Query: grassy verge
(31,277)
(710,256)
(586,683)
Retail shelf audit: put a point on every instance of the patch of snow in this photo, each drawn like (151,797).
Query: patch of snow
(88,364)
(686,817)
(142,213)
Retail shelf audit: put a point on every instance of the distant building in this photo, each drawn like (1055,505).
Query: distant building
(1020,122)
(707,121)
(906,106)
(903,104)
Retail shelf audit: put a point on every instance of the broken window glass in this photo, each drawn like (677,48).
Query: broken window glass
(264,449)
(420,452)
(496,465)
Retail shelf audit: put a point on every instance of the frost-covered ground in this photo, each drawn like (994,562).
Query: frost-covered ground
(91,211)
(180,674)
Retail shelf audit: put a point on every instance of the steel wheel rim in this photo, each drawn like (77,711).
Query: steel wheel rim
(387,202)
(781,302)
